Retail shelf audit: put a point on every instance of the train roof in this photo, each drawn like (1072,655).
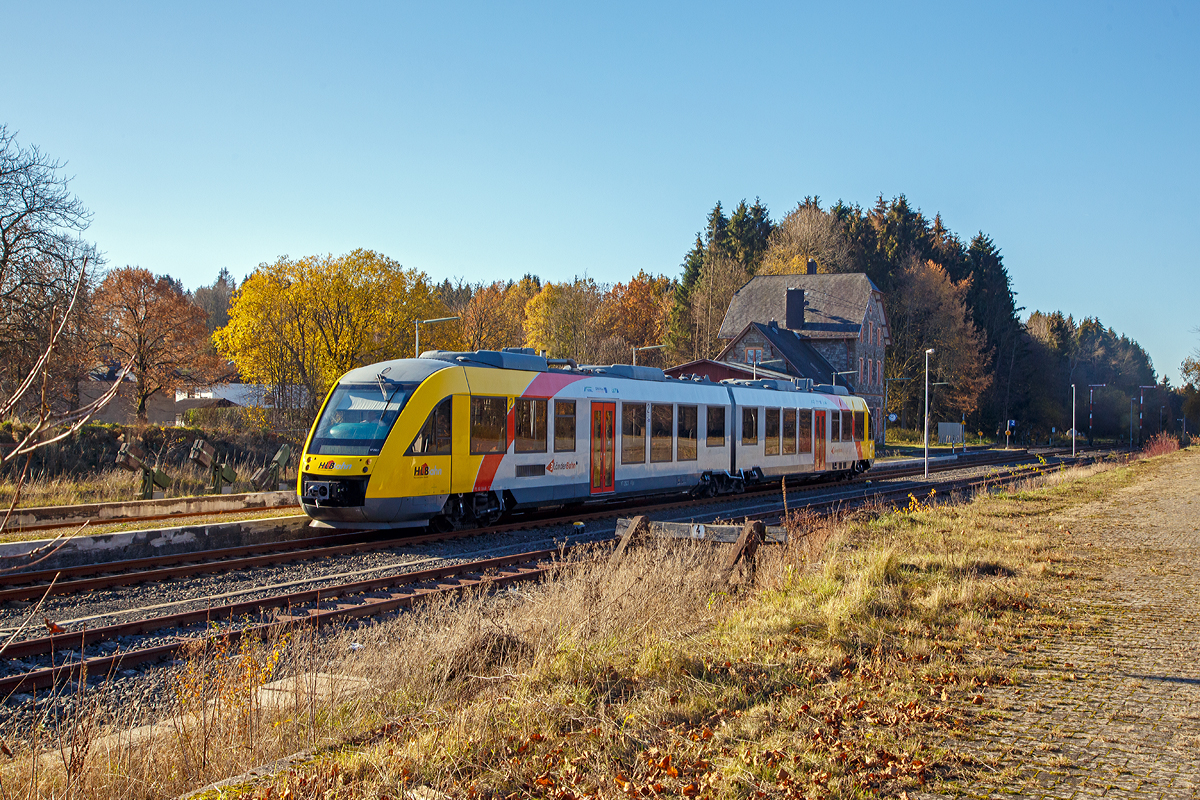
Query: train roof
(526,359)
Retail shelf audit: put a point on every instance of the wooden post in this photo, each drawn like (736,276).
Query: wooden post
(744,550)
(636,525)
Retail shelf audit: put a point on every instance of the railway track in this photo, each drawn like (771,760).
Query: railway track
(32,585)
(370,597)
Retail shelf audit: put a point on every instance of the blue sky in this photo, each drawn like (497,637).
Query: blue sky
(483,141)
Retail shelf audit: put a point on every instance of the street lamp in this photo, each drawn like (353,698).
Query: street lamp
(927,353)
(647,347)
(1092,387)
(1072,420)
(844,372)
(417,327)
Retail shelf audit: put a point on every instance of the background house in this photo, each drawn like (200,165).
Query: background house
(812,326)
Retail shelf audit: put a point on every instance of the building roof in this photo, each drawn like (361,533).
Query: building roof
(834,305)
(723,370)
(803,360)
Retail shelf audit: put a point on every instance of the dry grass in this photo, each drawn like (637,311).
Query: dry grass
(115,485)
(845,670)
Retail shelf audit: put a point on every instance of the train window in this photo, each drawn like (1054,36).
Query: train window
(789,431)
(564,426)
(715,435)
(835,426)
(771,431)
(434,437)
(749,426)
(489,425)
(660,432)
(358,418)
(806,428)
(529,425)
(860,426)
(847,420)
(685,426)
(633,433)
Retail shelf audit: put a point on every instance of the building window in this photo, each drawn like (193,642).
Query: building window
(860,371)
(872,332)
(879,372)
(754,355)
(869,381)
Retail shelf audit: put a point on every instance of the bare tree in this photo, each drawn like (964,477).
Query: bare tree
(806,232)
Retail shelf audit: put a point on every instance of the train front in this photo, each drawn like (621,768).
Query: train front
(349,446)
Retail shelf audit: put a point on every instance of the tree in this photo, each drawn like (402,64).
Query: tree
(806,233)
(297,326)
(929,310)
(43,261)
(562,319)
(215,300)
(148,325)
(721,276)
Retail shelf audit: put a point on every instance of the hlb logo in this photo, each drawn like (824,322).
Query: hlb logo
(333,465)
(424,471)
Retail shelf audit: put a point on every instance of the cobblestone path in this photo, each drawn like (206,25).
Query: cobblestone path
(1114,710)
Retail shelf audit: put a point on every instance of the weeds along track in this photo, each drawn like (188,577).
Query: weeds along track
(102,651)
(31,585)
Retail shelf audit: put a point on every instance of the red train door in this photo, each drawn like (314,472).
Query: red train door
(604,445)
(819,440)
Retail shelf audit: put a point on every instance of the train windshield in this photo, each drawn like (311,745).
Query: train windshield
(357,418)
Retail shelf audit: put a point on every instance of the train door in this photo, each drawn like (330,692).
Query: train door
(819,429)
(604,446)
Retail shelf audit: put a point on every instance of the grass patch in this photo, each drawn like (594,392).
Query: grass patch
(851,667)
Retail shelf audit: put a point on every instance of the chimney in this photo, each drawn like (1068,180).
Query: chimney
(811,268)
(794,313)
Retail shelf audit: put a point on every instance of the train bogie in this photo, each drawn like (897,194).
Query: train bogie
(459,438)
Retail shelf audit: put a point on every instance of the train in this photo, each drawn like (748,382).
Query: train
(452,440)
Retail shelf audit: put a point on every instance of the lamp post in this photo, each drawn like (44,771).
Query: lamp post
(1132,400)
(927,353)
(417,327)
(1092,387)
(1072,420)
(647,347)
(844,372)
(1141,408)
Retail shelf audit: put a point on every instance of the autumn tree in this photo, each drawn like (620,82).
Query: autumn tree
(562,319)
(720,277)
(635,314)
(215,300)
(493,316)
(807,233)
(929,310)
(147,324)
(297,326)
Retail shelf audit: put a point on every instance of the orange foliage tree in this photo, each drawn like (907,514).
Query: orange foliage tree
(149,326)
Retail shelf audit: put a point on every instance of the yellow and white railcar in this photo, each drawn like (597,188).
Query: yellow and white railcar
(455,439)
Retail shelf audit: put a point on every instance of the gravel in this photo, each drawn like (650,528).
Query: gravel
(144,690)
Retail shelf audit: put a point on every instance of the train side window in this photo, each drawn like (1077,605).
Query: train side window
(715,434)
(847,419)
(860,426)
(685,425)
(771,432)
(434,437)
(633,433)
(835,426)
(529,425)
(564,426)
(806,430)
(489,425)
(789,431)
(749,426)
(661,433)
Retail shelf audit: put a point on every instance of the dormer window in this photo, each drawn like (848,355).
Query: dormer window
(754,355)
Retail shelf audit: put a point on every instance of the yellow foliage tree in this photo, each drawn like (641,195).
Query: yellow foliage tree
(562,319)
(296,326)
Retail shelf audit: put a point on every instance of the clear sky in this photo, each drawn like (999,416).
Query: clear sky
(488,140)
